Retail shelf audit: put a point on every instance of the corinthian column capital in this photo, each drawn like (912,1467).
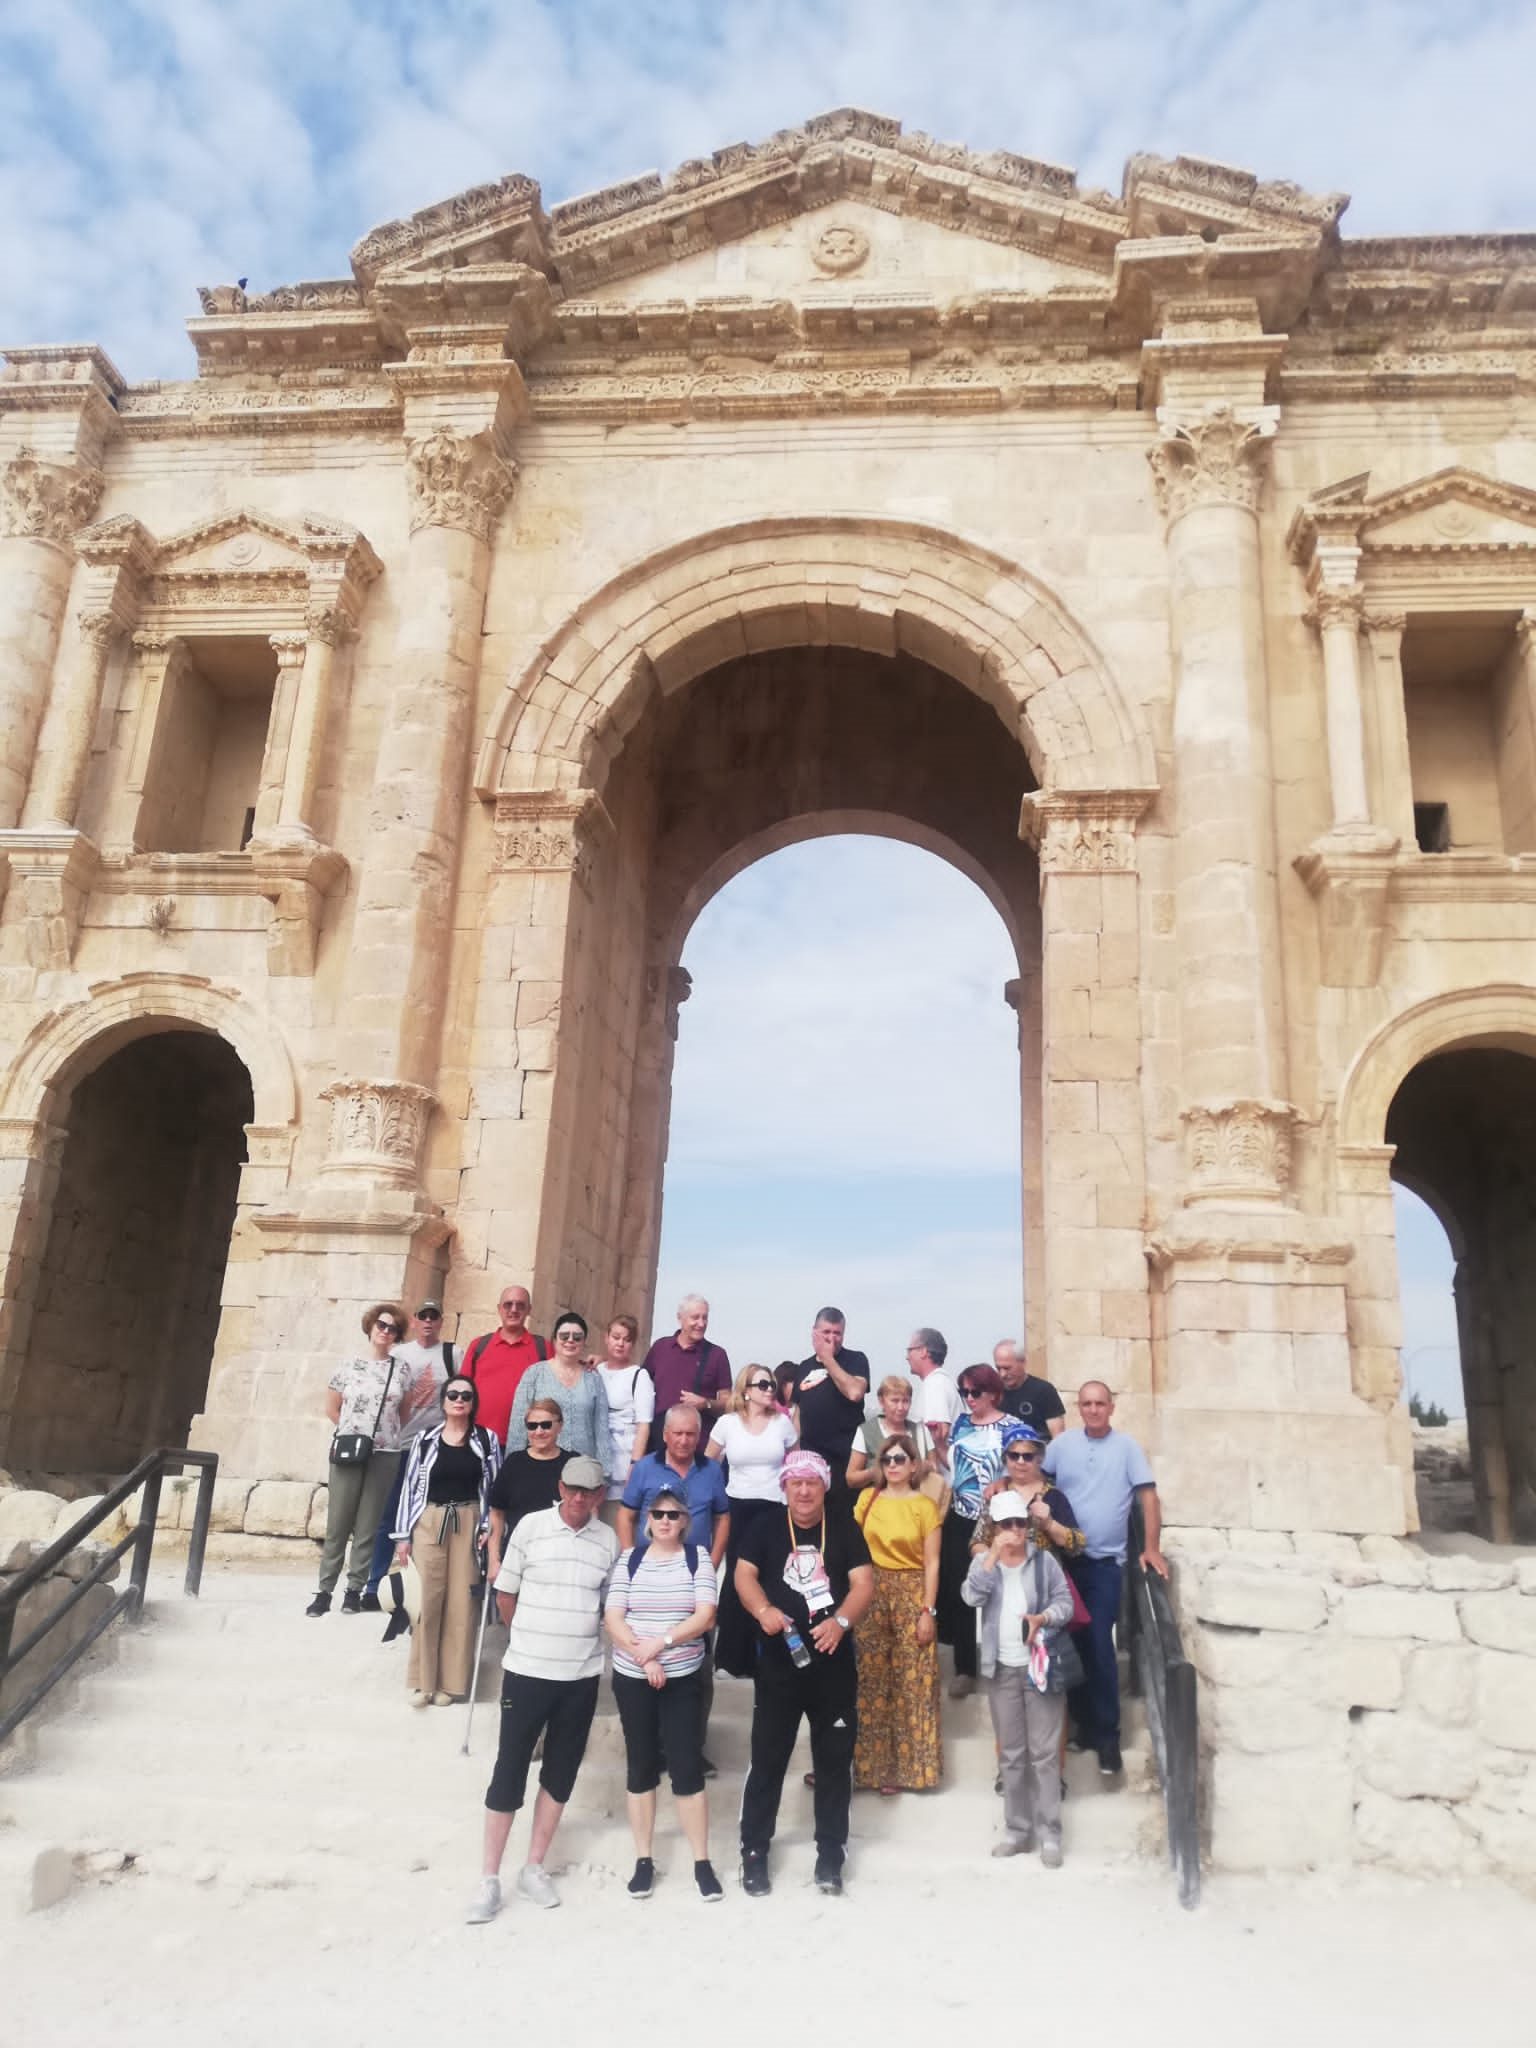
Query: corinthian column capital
(46,500)
(457,480)
(1216,457)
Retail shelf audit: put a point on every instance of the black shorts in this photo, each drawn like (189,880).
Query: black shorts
(662,1720)
(559,1709)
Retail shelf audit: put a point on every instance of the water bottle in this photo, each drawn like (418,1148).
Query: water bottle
(799,1654)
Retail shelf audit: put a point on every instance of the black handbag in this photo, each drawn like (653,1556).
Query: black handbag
(1065,1670)
(352,1448)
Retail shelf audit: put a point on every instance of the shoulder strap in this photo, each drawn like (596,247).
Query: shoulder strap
(637,1554)
(448,1357)
(699,1369)
(475,1351)
(540,1347)
(691,1557)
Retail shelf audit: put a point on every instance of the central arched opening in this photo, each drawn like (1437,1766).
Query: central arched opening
(125,1293)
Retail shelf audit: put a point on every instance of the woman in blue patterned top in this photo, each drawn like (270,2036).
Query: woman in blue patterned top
(975,1460)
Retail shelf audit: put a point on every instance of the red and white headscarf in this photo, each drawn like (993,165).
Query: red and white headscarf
(805,1465)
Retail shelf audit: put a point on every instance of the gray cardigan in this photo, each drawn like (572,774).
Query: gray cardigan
(1047,1593)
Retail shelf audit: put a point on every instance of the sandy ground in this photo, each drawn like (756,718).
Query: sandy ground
(1362,1962)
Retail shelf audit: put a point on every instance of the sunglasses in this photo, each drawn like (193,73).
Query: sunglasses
(1022,1457)
(539,1425)
(389,1329)
(570,1336)
(429,1315)
(972,1393)
(896,1458)
(761,1386)
(666,1514)
(462,1394)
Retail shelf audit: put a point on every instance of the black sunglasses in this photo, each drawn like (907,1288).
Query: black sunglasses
(389,1329)
(666,1514)
(461,1394)
(539,1425)
(761,1386)
(1022,1457)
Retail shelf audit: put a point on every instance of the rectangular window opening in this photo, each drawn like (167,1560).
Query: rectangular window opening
(210,743)
(1471,746)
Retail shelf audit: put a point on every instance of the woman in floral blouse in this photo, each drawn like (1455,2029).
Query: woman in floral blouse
(362,1399)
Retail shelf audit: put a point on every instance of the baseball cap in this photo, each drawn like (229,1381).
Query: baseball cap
(1007,1507)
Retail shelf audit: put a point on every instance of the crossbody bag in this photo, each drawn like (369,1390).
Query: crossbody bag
(352,1447)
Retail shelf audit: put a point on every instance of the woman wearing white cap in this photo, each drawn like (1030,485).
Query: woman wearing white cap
(444,1505)
(1025,1605)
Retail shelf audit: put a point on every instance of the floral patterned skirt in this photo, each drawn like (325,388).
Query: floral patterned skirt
(898,1740)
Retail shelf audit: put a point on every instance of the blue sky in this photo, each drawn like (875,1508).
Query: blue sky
(149,146)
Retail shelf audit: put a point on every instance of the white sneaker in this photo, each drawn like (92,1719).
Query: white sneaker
(486,1903)
(535,1882)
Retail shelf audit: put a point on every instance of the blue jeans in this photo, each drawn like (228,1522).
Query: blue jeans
(1096,1702)
(384,1542)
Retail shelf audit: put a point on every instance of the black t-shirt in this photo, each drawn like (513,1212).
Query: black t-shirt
(828,1419)
(818,1582)
(1033,1401)
(455,1474)
(525,1484)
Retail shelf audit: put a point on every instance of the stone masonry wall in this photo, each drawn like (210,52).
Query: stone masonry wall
(1363,1701)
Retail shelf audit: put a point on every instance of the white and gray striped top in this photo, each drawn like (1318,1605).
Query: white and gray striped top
(560,1576)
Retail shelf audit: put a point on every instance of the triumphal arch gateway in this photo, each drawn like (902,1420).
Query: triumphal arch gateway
(379,706)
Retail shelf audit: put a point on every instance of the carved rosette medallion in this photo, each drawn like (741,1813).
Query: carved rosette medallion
(46,500)
(1218,458)
(1084,831)
(455,480)
(1238,1150)
(840,249)
(377,1128)
(549,832)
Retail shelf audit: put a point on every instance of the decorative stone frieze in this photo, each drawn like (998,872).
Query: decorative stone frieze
(377,1128)
(1238,1150)
(1217,458)
(1084,831)
(47,501)
(456,480)
(550,832)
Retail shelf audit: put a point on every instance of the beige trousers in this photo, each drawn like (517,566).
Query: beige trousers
(442,1641)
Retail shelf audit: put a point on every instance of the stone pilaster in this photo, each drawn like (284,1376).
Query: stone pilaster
(292,651)
(42,506)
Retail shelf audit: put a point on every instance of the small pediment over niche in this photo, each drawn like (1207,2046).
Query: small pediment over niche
(1454,508)
(251,544)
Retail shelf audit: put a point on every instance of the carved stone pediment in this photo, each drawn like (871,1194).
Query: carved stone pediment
(1452,508)
(251,543)
(1453,539)
(244,567)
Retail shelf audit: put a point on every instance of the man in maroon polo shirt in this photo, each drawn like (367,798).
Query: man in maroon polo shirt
(689,1371)
(496,1363)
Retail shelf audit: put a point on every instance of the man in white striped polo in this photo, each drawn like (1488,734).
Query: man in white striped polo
(551,1590)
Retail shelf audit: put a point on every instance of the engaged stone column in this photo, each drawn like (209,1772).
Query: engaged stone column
(292,651)
(393,1008)
(55,795)
(42,506)
(1337,613)
(327,631)
(1209,470)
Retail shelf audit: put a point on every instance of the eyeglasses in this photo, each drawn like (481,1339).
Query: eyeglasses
(760,1386)
(389,1329)
(568,1336)
(540,1425)
(666,1514)
(1022,1457)
(523,1306)
(460,1394)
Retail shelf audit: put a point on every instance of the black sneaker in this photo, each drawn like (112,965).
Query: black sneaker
(1110,1762)
(829,1876)
(370,1601)
(755,1881)
(321,1604)
(643,1882)
(709,1885)
(351,1601)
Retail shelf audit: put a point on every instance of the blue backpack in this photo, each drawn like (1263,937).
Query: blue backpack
(690,1557)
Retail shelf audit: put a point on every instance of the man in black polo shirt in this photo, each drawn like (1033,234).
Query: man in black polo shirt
(1031,1400)
(829,1389)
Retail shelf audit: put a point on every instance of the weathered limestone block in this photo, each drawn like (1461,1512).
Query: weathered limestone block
(1398,1563)
(1266,1720)
(30,1514)
(241,1549)
(279,1507)
(1509,1841)
(1525,1574)
(1234,1597)
(1442,1685)
(1413,1759)
(1352,1672)
(1280,1812)
(229,1502)
(318,1508)
(1501,1621)
(1458,1574)
(1506,1700)
(1397,1611)
(1260,1543)
(1413,1835)
(1323,1547)
(1237,1657)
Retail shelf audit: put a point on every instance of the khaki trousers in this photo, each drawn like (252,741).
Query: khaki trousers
(354,1501)
(442,1641)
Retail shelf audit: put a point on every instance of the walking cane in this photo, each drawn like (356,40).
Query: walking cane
(486,1596)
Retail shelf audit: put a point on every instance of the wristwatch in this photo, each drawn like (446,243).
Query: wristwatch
(933,1611)
(843,1622)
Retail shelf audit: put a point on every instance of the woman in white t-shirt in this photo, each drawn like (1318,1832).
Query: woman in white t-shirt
(754,1436)
(631,1407)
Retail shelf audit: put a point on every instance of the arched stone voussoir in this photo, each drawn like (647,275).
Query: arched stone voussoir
(1495,1014)
(881,585)
(72,1042)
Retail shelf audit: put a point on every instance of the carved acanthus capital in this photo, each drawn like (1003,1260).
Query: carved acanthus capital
(1238,1150)
(1336,604)
(550,832)
(1084,831)
(1216,458)
(330,624)
(457,480)
(46,500)
(289,648)
(99,630)
(377,1128)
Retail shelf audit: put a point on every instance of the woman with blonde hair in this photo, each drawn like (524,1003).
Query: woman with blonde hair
(894,1394)
(444,1508)
(362,1405)
(897,1640)
(754,1437)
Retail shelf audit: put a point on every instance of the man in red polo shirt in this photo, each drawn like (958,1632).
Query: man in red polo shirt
(496,1363)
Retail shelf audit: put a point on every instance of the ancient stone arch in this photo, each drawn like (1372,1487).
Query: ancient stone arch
(1498,1014)
(883,585)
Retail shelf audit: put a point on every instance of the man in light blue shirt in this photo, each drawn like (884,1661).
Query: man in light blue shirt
(1101,1470)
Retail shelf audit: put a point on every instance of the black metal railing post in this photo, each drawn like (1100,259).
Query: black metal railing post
(1166,1681)
(197,1542)
(144,1544)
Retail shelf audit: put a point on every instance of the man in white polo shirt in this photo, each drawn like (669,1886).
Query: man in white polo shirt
(938,1405)
(550,1590)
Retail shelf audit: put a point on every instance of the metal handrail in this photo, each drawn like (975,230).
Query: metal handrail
(1165,1679)
(148,1473)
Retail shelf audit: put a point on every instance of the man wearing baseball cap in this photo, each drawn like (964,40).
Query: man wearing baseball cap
(805,1579)
(551,1591)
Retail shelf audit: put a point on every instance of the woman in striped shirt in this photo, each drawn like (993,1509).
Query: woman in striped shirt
(661,1607)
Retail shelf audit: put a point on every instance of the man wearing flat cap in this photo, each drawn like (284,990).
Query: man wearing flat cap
(805,1579)
(550,1590)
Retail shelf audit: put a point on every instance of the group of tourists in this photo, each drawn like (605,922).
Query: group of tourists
(775,1525)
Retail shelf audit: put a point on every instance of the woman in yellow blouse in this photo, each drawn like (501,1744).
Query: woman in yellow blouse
(898,1740)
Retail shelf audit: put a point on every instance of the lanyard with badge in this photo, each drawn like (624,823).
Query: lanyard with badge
(805,1569)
